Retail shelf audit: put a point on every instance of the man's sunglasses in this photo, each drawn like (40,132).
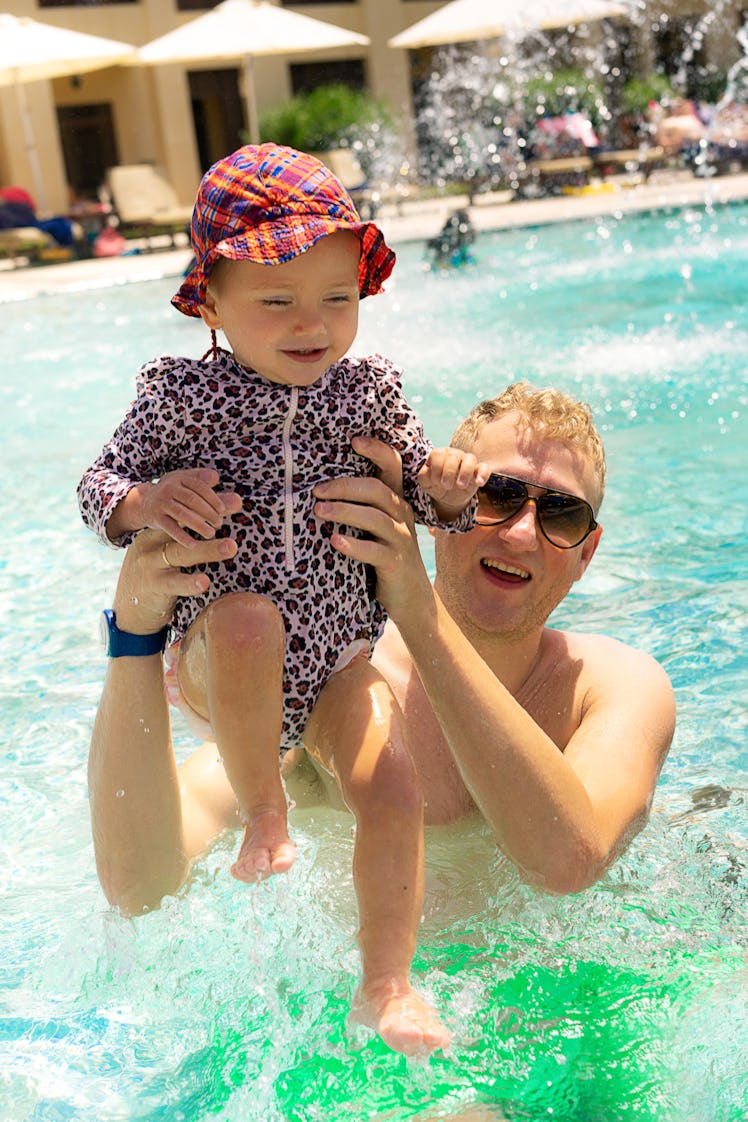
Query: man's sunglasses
(565,520)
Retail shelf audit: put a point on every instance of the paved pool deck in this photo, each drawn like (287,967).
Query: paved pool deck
(411,220)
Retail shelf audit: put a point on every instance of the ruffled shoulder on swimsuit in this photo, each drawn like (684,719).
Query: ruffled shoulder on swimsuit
(358,374)
(177,371)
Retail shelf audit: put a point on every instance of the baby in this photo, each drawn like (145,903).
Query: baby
(235,443)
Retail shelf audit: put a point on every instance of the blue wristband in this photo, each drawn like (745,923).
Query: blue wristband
(124,644)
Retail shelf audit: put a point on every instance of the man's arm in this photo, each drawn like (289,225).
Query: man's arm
(625,733)
(562,818)
(142,845)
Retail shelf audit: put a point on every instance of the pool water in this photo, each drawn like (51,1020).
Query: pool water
(625,1002)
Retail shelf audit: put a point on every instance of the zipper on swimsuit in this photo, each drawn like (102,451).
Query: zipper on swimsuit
(288,478)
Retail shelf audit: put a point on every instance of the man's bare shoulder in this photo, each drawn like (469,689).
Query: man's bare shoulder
(592,660)
(613,679)
(598,657)
(625,722)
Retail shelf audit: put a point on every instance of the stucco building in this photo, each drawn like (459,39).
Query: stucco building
(182,118)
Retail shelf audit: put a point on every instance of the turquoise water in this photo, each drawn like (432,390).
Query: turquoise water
(626,1002)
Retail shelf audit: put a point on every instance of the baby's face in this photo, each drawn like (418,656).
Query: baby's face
(289,322)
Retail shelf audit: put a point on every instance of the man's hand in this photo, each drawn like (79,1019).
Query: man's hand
(155,572)
(451,477)
(376,506)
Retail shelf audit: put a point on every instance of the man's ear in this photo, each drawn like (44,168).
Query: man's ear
(588,551)
(209,311)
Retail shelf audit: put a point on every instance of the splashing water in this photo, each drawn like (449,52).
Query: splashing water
(625,1002)
(478,104)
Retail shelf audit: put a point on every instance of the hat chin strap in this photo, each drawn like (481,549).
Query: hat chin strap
(212,353)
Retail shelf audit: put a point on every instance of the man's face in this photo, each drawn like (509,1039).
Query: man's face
(506,580)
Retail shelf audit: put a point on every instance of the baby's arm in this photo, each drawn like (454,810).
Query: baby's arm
(451,477)
(129,486)
(177,502)
(439,484)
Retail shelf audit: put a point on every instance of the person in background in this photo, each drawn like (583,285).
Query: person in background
(18,210)
(451,248)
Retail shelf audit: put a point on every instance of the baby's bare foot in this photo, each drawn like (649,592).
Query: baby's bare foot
(402,1018)
(266,848)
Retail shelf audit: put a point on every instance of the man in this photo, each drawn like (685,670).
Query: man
(556,738)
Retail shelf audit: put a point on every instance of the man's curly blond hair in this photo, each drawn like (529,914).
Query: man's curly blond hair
(548,412)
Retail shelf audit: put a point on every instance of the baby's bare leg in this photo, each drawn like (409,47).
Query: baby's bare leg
(356,732)
(231,672)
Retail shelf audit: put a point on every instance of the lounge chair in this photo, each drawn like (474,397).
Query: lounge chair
(145,203)
(24,244)
(545,176)
(343,163)
(644,159)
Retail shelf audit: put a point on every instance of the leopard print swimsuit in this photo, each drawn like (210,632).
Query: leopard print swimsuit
(272,444)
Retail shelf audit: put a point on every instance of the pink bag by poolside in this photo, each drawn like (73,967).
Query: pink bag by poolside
(109,243)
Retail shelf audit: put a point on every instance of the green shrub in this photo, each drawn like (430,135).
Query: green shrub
(331,116)
(638,92)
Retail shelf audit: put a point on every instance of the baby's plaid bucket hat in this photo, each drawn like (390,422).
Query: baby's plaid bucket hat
(268,203)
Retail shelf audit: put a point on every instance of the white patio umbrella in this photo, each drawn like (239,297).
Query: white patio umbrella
(30,50)
(244,29)
(468,20)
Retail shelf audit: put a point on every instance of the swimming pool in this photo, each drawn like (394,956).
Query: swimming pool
(626,1002)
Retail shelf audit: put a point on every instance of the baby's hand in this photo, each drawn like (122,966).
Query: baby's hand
(186,500)
(451,477)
